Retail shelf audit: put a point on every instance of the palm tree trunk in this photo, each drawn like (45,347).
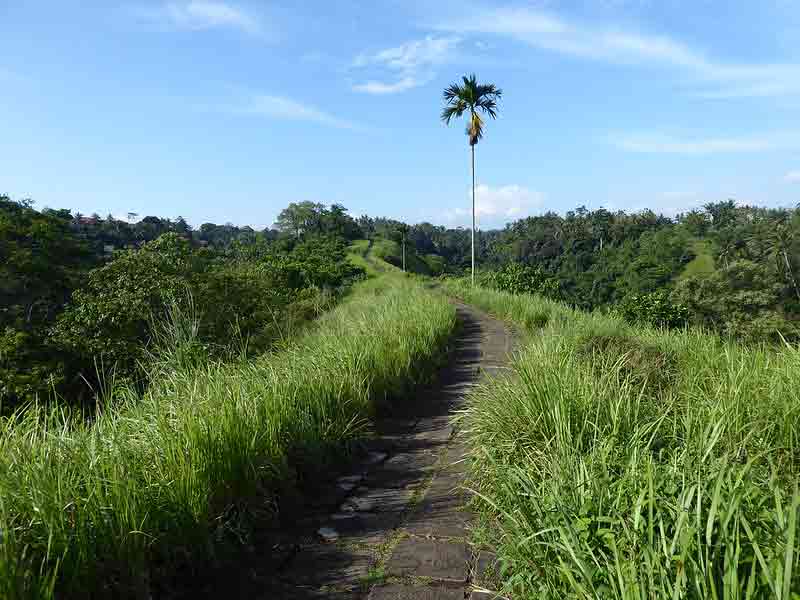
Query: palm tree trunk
(404,252)
(472,146)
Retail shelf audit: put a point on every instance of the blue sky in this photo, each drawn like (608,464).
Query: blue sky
(227,110)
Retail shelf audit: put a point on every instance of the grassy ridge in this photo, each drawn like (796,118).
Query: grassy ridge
(392,253)
(619,462)
(156,477)
(357,254)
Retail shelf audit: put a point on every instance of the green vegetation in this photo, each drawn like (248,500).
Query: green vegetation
(391,252)
(74,317)
(40,264)
(161,385)
(159,476)
(626,462)
(357,254)
(162,395)
(731,268)
(703,261)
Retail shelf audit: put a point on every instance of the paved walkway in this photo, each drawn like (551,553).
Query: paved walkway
(395,528)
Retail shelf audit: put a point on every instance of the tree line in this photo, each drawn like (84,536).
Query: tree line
(733,269)
(78,294)
(83,301)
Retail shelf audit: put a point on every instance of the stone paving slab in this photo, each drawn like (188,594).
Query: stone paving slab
(447,484)
(328,565)
(276,591)
(378,500)
(444,561)
(402,470)
(438,520)
(410,592)
(362,527)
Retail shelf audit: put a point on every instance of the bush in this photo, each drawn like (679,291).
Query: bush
(656,309)
(257,298)
(41,262)
(740,300)
(521,279)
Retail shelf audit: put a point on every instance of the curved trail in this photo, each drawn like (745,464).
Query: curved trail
(396,527)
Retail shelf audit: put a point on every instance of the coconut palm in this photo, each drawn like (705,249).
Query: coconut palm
(473,98)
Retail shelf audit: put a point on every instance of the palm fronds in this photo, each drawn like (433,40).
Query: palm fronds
(474,98)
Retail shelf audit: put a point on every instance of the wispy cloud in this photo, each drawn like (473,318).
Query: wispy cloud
(379,87)
(406,66)
(283,108)
(660,144)
(199,15)
(712,78)
(494,206)
(792,177)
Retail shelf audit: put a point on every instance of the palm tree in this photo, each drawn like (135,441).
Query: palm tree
(474,98)
(404,232)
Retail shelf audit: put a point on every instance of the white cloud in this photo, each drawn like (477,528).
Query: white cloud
(283,108)
(378,87)
(712,78)
(198,15)
(496,206)
(658,144)
(406,66)
(792,177)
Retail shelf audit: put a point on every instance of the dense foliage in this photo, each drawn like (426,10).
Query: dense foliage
(41,262)
(656,309)
(77,293)
(518,278)
(72,314)
(733,268)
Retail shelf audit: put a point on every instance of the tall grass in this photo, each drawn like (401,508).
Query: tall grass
(391,253)
(620,462)
(92,509)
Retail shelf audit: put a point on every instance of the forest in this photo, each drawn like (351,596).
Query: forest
(730,268)
(79,294)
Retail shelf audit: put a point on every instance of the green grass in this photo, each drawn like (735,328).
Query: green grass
(357,254)
(702,263)
(621,462)
(165,476)
(392,253)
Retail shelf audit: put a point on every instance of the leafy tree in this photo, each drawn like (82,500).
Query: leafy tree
(110,316)
(657,309)
(520,279)
(300,217)
(742,300)
(41,261)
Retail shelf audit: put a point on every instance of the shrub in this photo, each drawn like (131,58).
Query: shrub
(258,298)
(740,300)
(656,309)
(521,279)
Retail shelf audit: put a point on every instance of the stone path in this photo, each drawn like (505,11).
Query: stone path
(395,528)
